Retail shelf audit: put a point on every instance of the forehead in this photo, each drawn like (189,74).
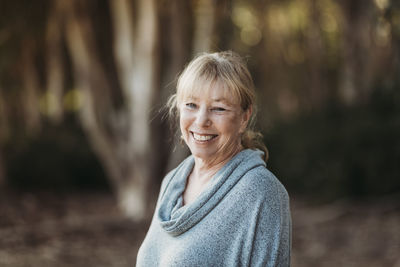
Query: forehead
(209,91)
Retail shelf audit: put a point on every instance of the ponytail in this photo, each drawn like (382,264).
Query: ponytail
(254,140)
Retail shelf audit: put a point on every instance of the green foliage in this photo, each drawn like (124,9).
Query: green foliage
(352,151)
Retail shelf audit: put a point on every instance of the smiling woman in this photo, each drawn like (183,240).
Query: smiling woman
(220,206)
(211,125)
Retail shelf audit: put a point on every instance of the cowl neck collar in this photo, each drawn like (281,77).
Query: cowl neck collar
(175,218)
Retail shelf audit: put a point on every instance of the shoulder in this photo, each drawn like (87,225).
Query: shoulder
(263,185)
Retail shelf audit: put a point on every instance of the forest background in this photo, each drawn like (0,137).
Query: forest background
(84,141)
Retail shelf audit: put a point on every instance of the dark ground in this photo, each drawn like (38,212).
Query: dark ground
(87,229)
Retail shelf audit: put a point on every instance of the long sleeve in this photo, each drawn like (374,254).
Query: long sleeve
(270,231)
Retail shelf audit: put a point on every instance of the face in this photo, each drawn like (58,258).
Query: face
(211,123)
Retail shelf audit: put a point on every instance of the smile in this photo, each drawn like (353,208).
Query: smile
(203,137)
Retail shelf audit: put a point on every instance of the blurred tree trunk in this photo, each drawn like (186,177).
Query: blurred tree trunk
(4,118)
(137,57)
(317,89)
(355,79)
(55,63)
(31,87)
(205,26)
(2,173)
(4,131)
(119,135)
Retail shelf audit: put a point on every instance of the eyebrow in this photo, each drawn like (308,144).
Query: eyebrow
(219,99)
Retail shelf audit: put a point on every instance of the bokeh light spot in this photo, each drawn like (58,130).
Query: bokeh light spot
(250,36)
(243,17)
(277,20)
(329,23)
(382,4)
(73,100)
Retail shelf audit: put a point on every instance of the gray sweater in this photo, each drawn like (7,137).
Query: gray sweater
(242,218)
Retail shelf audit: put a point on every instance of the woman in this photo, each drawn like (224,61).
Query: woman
(220,206)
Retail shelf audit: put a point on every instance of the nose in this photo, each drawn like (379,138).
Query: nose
(202,118)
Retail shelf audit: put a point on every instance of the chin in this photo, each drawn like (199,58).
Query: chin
(203,154)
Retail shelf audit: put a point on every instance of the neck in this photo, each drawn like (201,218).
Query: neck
(205,169)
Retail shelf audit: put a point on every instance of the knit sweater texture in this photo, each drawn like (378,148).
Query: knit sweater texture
(242,218)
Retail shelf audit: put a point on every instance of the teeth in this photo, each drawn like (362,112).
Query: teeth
(203,137)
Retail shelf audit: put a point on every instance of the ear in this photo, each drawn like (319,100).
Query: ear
(245,118)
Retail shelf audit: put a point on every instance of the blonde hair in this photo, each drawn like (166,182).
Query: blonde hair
(229,70)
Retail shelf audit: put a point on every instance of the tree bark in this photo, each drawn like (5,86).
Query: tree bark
(4,132)
(317,94)
(4,122)
(31,86)
(354,80)
(137,57)
(205,28)
(55,63)
(120,136)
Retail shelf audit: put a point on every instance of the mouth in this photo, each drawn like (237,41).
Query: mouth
(203,137)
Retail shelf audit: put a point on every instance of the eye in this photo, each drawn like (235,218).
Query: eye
(220,109)
(191,105)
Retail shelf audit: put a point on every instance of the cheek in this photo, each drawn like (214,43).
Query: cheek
(184,122)
(229,125)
